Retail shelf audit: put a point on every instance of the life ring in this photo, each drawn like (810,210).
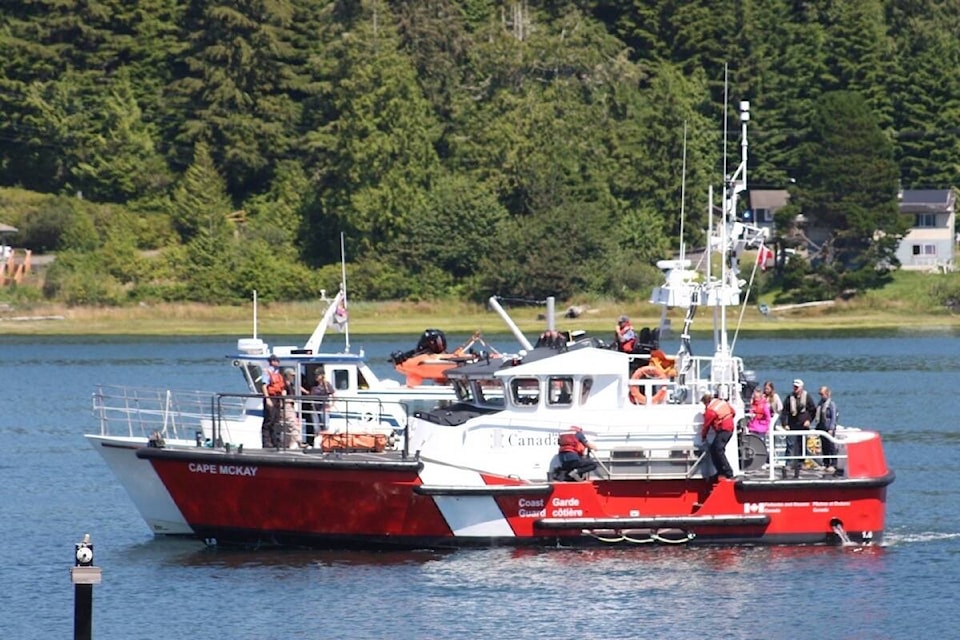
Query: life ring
(648,372)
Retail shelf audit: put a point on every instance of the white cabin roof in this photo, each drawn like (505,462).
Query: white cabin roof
(582,361)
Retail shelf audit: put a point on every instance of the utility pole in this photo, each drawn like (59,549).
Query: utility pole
(83,575)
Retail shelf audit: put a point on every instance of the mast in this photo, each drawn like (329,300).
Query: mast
(343,289)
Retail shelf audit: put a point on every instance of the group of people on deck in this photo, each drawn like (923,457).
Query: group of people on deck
(282,424)
(799,413)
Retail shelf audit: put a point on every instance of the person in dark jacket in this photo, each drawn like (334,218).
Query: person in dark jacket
(798,412)
(826,421)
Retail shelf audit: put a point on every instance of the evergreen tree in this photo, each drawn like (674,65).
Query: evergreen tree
(859,54)
(848,189)
(374,153)
(926,95)
(200,200)
(234,90)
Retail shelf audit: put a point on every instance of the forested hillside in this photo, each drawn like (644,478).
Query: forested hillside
(463,148)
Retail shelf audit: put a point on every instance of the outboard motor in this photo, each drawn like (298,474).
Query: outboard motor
(432,341)
(648,340)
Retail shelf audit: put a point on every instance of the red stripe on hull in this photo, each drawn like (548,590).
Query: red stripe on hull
(307,501)
(794,513)
(329,504)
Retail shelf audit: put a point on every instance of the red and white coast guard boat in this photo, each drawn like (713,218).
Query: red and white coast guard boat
(483,471)
(131,418)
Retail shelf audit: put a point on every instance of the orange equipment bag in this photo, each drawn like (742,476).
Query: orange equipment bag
(370,442)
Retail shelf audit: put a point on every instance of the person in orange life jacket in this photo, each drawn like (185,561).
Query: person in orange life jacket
(717,415)
(798,412)
(573,459)
(273,387)
(626,336)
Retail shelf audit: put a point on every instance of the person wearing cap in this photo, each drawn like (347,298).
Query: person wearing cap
(798,412)
(717,415)
(626,336)
(324,391)
(574,447)
(273,386)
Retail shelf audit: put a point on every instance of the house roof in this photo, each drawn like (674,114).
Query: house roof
(768,198)
(927,200)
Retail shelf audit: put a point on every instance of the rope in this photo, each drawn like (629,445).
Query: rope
(652,537)
(743,307)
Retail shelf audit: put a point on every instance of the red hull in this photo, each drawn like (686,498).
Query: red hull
(307,500)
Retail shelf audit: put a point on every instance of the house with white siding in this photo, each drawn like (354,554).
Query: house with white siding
(930,243)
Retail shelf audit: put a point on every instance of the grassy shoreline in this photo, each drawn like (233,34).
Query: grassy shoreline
(411,318)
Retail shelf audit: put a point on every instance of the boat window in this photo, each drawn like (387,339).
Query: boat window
(361,381)
(585,388)
(462,389)
(490,392)
(341,379)
(252,372)
(561,391)
(525,391)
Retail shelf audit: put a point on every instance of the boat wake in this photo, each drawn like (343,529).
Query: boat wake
(894,539)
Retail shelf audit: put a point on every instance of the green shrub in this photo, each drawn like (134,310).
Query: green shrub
(78,279)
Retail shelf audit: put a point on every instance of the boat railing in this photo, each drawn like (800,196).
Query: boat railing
(691,379)
(648,455)
(313,416)
(810,454)
(144,412)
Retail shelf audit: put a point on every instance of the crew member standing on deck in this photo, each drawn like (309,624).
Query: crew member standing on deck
(717,415)
(274,387)
(798,411)
(325,392)
(826,421)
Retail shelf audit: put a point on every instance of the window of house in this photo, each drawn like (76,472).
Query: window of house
(925,220)
(929,249)
(764,215)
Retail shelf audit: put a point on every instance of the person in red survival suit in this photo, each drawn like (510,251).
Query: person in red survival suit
(574,463)
(718,415)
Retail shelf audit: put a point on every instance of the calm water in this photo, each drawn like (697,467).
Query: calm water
(55,488)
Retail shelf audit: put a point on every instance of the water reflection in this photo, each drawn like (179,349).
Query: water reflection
(195,554)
